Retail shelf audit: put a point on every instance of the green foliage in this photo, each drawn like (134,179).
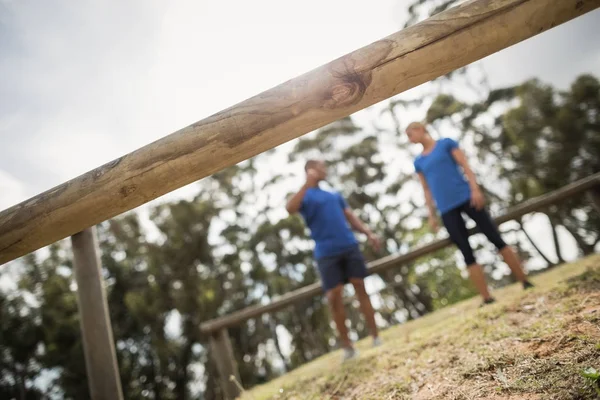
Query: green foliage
(443,106)
(593,377)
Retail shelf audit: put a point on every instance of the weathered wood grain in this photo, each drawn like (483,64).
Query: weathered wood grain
(357,80)
(96,331)
(222,355)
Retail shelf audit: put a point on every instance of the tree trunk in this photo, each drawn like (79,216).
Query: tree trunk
(20,379)
(153,375)
(557,247)
(273,322)
(213,389)
(584,247)
(182,375)
(273,327)
(299,339)
(424,297)
(398,289)
(309,332)
(539,251)
(159,365)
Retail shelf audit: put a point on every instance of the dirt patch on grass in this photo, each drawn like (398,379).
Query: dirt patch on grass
(532,345)
(542,352)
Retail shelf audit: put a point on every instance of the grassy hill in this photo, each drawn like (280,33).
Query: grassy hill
(529,345)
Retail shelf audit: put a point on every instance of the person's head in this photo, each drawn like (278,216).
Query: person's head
(416,132)
(318,166)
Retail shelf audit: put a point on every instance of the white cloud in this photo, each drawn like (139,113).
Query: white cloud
(12,190)
(556,56)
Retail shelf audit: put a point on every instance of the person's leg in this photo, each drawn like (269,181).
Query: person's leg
(486,225)
(365,305)
(356,272)
(336,304)
(514,263)
(332,279)
(477,276)
(457,230)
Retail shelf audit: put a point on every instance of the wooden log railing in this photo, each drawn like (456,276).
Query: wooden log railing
(415,55)
(217,328)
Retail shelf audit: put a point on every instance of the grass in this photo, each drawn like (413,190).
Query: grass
(539,344)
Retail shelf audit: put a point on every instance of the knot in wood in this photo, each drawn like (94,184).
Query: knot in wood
(348,90)
(127,190)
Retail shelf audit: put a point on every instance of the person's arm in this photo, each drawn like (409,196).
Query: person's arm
(429,202)
(477,198)
(359,226)
(355,222)
(295,202)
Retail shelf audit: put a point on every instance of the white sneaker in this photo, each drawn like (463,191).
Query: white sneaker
(349,354)
(377,342)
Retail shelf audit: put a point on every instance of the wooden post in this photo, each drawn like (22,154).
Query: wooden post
(594,197)
(392,65)
(222,354)
(98,344)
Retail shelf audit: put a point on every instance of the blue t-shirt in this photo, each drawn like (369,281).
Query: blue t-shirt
(444,176)
(324,214)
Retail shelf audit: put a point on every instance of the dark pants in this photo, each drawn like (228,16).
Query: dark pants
(338,269)
(457,229)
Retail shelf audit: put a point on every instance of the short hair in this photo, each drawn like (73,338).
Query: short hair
(310,164)
(416,125)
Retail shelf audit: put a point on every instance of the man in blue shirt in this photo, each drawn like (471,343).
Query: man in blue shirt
(338,256)
(442,168)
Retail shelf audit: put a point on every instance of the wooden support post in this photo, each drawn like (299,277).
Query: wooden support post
(594,197)
(98,344)
(222,354)
(392,65)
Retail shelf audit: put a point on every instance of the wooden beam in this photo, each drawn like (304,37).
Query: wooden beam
(393,261)
(222,354)
(98,343)
(399,62)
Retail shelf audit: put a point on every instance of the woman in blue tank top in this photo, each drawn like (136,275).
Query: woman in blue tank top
(450,185)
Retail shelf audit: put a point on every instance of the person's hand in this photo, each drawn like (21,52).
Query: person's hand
(312,177)
(477,199)
(433,224)
(374,241)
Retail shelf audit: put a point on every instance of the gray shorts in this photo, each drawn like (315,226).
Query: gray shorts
(338,269)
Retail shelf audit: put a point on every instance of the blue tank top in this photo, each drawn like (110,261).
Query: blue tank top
(444,176)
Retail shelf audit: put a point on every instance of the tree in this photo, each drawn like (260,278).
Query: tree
(20,349)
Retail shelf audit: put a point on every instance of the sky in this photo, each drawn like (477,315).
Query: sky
(84,82)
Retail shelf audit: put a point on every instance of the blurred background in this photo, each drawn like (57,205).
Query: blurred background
(85,82)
